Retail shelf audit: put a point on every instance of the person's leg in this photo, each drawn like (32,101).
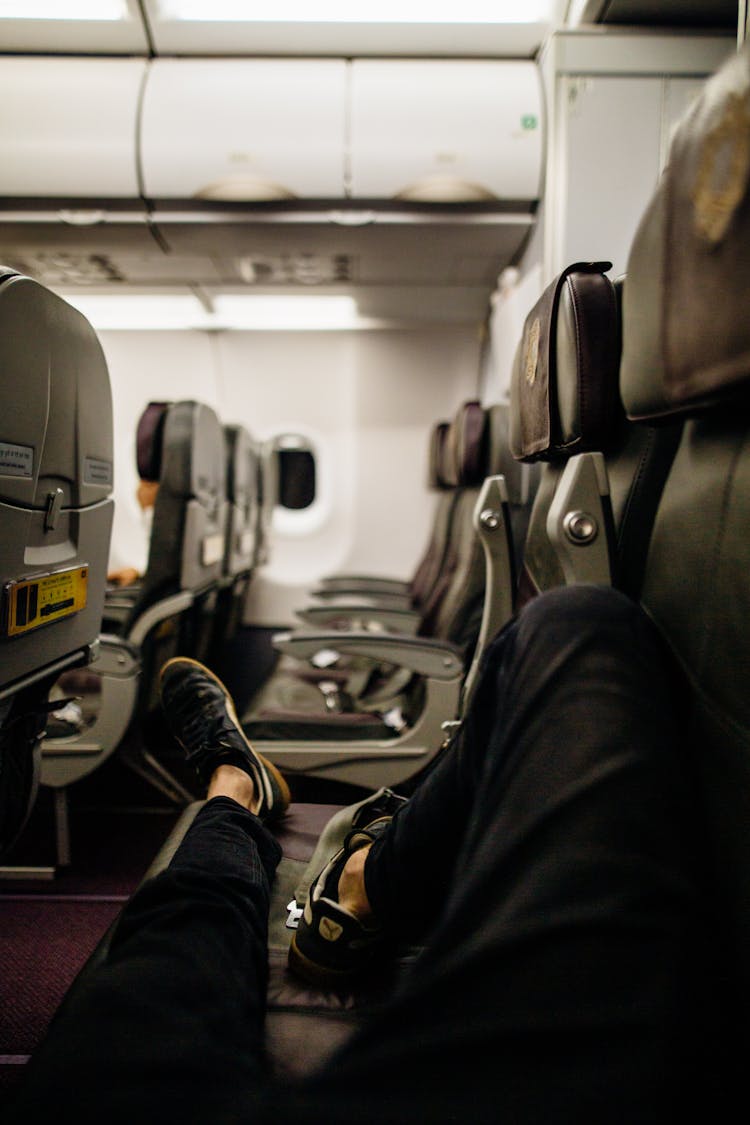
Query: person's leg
(168,1026)
(562,980)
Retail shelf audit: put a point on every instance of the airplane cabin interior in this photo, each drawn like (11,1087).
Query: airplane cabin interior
(330,342)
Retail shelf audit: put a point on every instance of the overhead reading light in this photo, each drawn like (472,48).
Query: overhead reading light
(344,11)
(71,10)
(244,189)
(445,189)
(272,314)
(127,311)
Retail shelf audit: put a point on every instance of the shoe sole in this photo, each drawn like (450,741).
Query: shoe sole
(269,767)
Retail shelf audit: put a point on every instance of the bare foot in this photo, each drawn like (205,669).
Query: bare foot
(231,781)
(352,895)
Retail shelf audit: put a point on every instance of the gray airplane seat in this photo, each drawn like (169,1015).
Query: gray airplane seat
(600,475)
(56,518)
(170,611)
(186,549)
(242,536)
(268,492)
(687,356)
(174,611)
(396,726)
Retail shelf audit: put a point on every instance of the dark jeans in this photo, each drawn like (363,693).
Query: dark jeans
(551,864)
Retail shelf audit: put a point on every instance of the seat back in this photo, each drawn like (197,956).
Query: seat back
(687,355)
(56,512)
(242,535)
(186,549)
(242,498)
(564,402)
(453,598)
(427,572)
(268,490)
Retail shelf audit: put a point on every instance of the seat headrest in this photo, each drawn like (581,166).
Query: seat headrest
(564,396)
(466,446)
(686,330)
(149,438)
(436,470)
(194,457)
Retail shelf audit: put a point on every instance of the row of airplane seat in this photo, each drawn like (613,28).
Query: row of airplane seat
(207,536)
(365,697)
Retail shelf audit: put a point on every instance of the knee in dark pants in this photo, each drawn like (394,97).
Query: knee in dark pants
(575,606)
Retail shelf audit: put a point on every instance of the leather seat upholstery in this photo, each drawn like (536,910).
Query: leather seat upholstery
(687,356)
(565,401)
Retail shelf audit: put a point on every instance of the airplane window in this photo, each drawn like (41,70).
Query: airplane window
(296,471)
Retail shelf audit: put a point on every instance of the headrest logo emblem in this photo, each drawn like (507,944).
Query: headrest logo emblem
(531,352)
(723,169)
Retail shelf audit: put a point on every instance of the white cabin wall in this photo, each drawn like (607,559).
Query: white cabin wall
(395,384)
(613,100)
(611,105)
(366,400)
(517,290)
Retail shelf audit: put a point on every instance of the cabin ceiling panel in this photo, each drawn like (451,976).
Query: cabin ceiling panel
(146,31)
(663,13)
(380,253)
(258,255)
(125,36)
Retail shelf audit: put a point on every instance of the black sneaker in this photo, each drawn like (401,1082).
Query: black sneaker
(201,716)
(331,945)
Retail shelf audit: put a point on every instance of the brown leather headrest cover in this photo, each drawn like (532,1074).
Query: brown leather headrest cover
(564,396)
(148,441)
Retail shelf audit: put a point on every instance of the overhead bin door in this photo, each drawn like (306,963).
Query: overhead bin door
(244,129)
(446,130)
(68,127)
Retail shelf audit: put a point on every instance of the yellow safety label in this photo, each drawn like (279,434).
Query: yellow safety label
(44,599)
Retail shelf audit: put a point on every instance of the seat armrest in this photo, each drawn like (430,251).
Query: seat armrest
(159,611)
(360,617)
(425,656)
(364,596)
(363,583)
(68,758)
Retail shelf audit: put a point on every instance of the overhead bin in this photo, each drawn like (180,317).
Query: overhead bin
(254,130)
(68,127)
(244,129)
(446,130)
